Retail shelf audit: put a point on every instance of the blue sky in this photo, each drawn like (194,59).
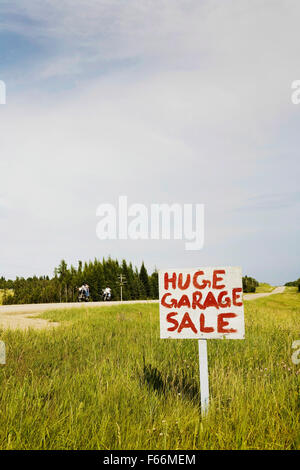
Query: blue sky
(188,102)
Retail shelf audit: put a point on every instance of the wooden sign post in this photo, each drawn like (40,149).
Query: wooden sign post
(201,303)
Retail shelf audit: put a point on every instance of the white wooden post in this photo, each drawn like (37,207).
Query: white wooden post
(203,369)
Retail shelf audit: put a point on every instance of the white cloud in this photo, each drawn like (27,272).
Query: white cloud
(197,118)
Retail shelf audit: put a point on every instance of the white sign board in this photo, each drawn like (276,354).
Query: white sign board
(201,303)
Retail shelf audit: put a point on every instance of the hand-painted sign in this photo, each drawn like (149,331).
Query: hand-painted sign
(201,303)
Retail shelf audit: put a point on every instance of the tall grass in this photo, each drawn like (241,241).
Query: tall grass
(105,380)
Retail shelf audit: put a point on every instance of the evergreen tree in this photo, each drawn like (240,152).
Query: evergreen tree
(154,285)
(145,280)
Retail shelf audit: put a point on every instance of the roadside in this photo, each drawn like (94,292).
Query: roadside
(23,316)
(277,290)
(264,287)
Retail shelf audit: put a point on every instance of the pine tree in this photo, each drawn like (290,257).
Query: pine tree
(145,280)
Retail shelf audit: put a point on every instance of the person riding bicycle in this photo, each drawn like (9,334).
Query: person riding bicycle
(107,293)
(84,291)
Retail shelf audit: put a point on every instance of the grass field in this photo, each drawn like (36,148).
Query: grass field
(264,287)
(104,380)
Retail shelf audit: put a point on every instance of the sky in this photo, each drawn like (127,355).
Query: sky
(170,101)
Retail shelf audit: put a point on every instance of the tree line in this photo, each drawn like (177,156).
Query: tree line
(63,286)
(294,283)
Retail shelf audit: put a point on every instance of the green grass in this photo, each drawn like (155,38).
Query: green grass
(264,287)
(105,380)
